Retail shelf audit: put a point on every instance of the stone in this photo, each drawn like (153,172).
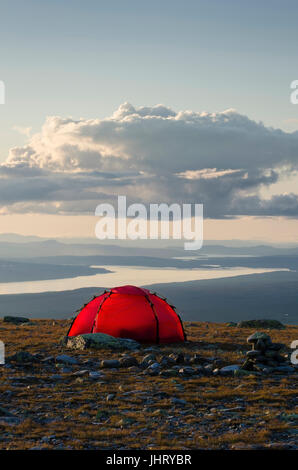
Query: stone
(208,368)
(128,361)
(178,401)
(110,364)
(99,341)
(149,358)
(169,373)
(4,412)
(259,345)
(257,336)
(56,377)
(187,371)
(277,346)
(269,353)
(241,372)
(229,370)
(253,353)
(154,368)
(110,397)
(285,369)
(64,359)
(15,320)
(94,375)
(167,361)
(48,360)
(81,373)
(22,357)
(265,323)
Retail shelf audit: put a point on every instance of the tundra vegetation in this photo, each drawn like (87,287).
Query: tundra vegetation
(154,397)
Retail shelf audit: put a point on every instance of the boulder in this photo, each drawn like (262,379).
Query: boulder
(64,359)
(229,370)
(271,324)
(15,320)
(99,341)
(128,361)
(187,371)
(110,363)
(257,336)
(22,357)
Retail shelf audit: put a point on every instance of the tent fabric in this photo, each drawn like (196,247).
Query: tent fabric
(130,312)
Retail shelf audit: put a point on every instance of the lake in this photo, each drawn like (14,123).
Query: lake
(122,275)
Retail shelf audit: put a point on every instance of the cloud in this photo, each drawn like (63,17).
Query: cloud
(205,174)
(151,154)
(23,130)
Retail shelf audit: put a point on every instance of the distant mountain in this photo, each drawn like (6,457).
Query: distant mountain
(15,238)
(11,271)
(15,246)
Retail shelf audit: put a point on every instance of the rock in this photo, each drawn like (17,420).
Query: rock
(94,375)
(178,401)
(110,397)
(284,369)
(167,361)
(15,320)
(154,368)
(277,346)
(64,359)
(147,359)
(25,379)
(81,373)
(4,412)
(48,360)
(196,359)
(241,372)
(128,361)
(99,341)
(253,353)
(270,353)
(208,369)
(278,446)
(258,335)
(186,371)
(229,370)
(23,357)
(271,324)
(259,345)
(266,370)
(180,359)
(55,377)
(169,373)
(110,364)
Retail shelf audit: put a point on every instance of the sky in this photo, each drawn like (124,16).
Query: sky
(162,101)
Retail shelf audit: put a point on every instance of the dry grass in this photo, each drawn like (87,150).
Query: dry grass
(74,414)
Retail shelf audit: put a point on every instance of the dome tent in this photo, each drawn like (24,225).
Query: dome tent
(130,312)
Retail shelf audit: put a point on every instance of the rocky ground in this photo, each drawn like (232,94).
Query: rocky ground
(217,391)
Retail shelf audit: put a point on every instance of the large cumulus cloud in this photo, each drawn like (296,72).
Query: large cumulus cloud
(151,154)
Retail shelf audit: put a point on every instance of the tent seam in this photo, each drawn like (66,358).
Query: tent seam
(97,313)
(155,316)
(80,309)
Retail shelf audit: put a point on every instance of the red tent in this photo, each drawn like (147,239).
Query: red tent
(130,312)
